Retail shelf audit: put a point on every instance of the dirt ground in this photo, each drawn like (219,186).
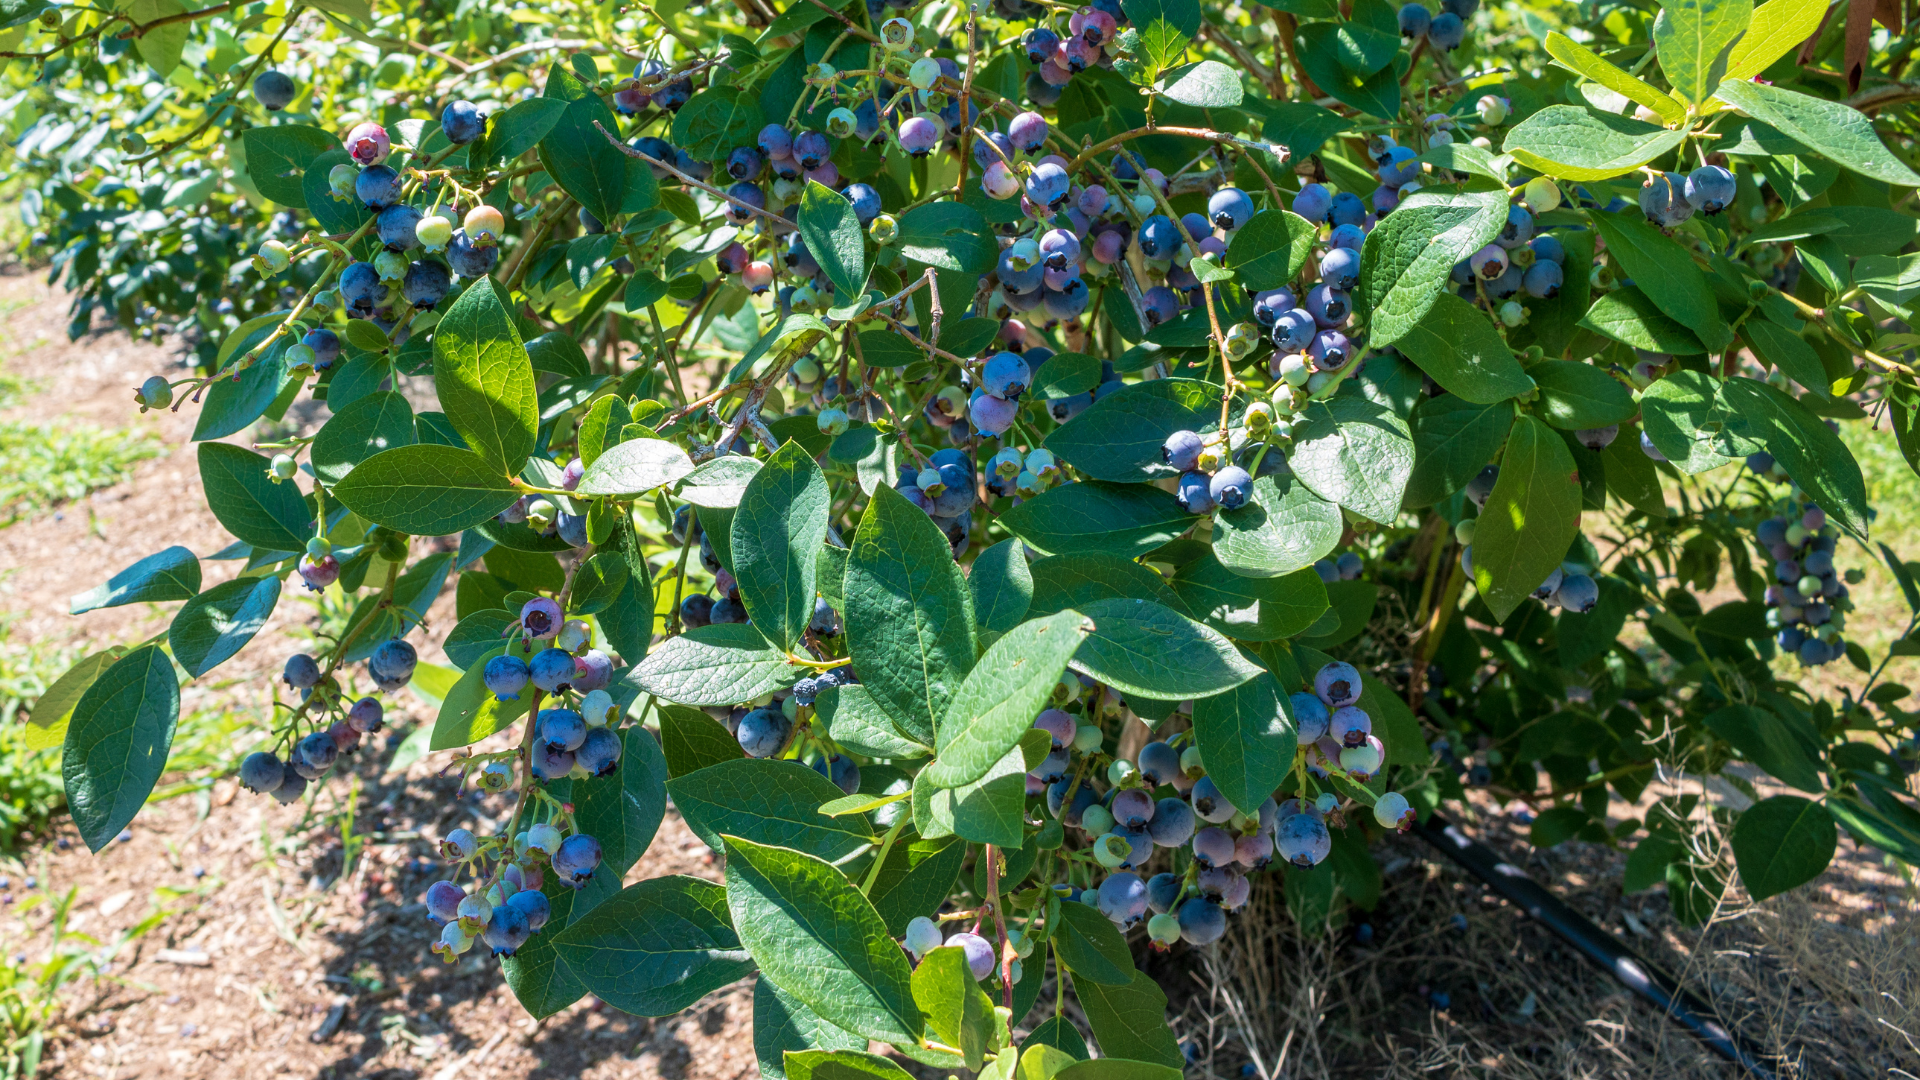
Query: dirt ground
(267,963)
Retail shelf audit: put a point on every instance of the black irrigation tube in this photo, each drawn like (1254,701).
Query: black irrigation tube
(1599,946)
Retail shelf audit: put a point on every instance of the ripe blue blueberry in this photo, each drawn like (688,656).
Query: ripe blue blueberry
(541,618)
(1446,31)
(1209,803)
(505,676)
(391,665)
(443,902)
(1348,209)
(1173,823)
(1303,839)
(919,135)
(562,729)
(1313,203)
(1195,493)
(261,772)
(552,670)
(1123,899)
(1543,279)
(302,672)
(1337,684)
(506,930)
(1132,808)
(1349,726)
(550,764)
(1053,768)
(978,950)
(1339,269)
(1578,592)
(1159,763)
(1231,487)
(1330,350)
(1710,189)
(359,282)
(396,225)
(1047,186)
(1414,20)
(1159,237)
(468,259)
(1663,199)
(1202,922)
(1229,209)
(1294,330)
(426,283)
(1006,376)
(318,751)
(377,186)
(367,716)
(1028,132)
(1518,231)
(325,345)
(840,769)
(763,732)
(462,122)
(576,860)
(291,788)
(1162,306)
(534,906)
(1329,307)
(273,89)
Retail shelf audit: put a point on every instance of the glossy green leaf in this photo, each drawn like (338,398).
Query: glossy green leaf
(46,726)
(470,712)
(1064,581)
(1407,259)
(1844,134)
(1282,528)
(170,574)
(1693,38)
(1353,450)
(777,531)
(814,934)
(1128,520)
(1269,250)
(915,879)
(716,120)
(1246,737)
(277,157)
(958,1013)
(1628,316)
(577,155)
(372,423)
(908,614)
(1597,68)
(1814,457)
(218,623)
(1140,647)
(1666,273)
(635,467)
(1573,143)
(1529,520)
(1091,947)
(1785,745)
(1002,586)
(484,379)
(269,516)
(1120,437)
(426,490)
(1207,84)
(1250,608)
(1692,423)
(1782,842)
(723,664)
(656,947)
(117,743)
(1323,46)
(783,1024)
(1575,395)
(1457,346)
(1001,696)
(1130,1021)
(1775,29)
(1453,439)
(834,237)
(767,801)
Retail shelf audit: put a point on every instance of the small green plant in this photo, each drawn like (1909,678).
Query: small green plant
(44,465)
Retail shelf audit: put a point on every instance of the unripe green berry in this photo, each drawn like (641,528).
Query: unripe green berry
(833,421)
(299,358)
(282,467)
(154,393)
(1120,771)
(340,181)
(390,265)
(884,229)
(433,232)
(1463,532)
(1087,738)
(319,548)
(272,257)
(1541,195)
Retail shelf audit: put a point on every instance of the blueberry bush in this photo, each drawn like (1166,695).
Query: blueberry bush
(1019,477)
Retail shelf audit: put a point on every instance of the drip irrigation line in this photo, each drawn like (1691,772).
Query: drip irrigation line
(1605,950)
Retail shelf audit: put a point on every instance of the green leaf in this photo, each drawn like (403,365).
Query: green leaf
(716,120)
(1842,133)
(1107,1068)
(723,664)
(1693,38)
(277,158)
(915,879)
(484,379)
(1457,346)
(988,811)
(812,932)
(1092,947)
(218,623)
(1453,439)
(1120,437)
(656,947)
(1569,142)
(782,1023)
(1130,1021)
(624,811)
(1128,520)
(1267,252)
(378,421)
(1632,476)
(1246,736)
(842,1065)
(1354,451)
(1002,586)
(1814,457)
(999,699)
(1576,395)
(1208,84)
(719,484)
(577,155)
(958,1013)
(1692,423)
(780,525)
(1785,745)
(46,726)
(557,353)
(470,712)
(1407,259)
(171,574)
(1283,527)
(1597,68)
(269,516)
(1529,520)
(1250,608)
(768,802)
(1775,29)
(1666,273)
(949,236)
(909,627)
(1326,48)
(1628,316)
(691,740)
(859,724)
(833,236)
(635,467)
(1140,647)
(1782,842)
(1351,603)
(233,403)
(1789,352)
(426,490)
(1165,26)
(117,743)
(516,129)
(1064,581)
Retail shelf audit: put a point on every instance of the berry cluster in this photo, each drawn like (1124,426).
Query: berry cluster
(1807,606)
(1668,199)
(312,756)
(1446,31)
(506,905)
